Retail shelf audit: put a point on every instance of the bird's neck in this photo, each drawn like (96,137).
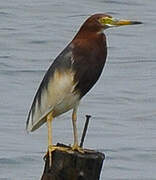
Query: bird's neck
(90,39)
(90,34)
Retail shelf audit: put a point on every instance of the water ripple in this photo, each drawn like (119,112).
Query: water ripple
(122,3)
(38,42)
(132,61)
(8,29)
(4,57)
(5,161)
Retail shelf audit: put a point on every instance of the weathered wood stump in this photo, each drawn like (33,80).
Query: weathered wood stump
(73,165)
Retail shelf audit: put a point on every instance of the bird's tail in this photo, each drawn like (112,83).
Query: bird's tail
(36,118)
(32,126)
(38,112)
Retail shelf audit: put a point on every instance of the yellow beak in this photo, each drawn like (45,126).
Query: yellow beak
(108,22)
(125,22)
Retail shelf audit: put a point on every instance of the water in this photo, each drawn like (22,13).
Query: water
(122,103)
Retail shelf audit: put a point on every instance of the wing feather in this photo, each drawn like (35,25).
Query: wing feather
(56,86)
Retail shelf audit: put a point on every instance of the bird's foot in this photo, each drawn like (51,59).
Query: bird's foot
(49,153)
(52,148)
(75,147)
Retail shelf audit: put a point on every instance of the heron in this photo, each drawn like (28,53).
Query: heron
(71,75)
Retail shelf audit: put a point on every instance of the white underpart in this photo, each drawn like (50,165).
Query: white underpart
(58,97)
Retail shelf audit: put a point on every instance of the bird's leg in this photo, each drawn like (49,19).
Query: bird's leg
(51,147)
(49,124)
(74,119)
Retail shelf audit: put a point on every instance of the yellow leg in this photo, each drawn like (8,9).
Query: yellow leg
(51,147)
(49,124)
(74,119)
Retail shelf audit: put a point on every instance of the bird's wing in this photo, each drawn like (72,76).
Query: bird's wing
(55,86)
(74,71)
(88,64)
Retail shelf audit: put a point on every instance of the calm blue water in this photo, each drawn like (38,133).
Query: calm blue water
(122,104)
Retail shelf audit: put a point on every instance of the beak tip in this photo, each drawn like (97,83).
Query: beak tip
(136,22)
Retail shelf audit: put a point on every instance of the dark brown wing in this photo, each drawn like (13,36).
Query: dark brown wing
(89,60)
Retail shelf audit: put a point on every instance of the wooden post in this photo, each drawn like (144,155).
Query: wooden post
(73,165)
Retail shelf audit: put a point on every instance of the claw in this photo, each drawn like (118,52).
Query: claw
(64,149)
(53,148)
(77,148)
(50,150)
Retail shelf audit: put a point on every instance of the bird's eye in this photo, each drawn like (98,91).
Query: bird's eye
(105,20)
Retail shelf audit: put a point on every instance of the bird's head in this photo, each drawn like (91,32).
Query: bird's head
(100,22)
